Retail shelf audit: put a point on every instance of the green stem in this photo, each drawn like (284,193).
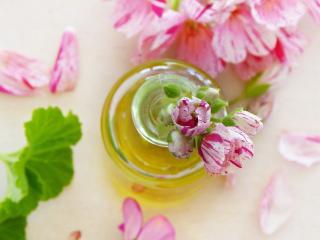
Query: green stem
(9,157)
(175,4)
(237,99)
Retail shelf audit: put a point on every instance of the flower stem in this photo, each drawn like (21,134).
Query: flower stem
(175,4)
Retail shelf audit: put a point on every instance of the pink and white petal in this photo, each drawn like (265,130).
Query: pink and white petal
(253,65)
(313,7)
(157,228)
(158,36)
(240,35)
(302,148)
(66,67)
(158,6)
(132,219)
(22,70)
(275,14)
(195,10)
(16,91)
(195,47)
(75,235)
(276,205)
(132,16)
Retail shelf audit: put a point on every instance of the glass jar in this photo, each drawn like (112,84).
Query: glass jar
(144,168)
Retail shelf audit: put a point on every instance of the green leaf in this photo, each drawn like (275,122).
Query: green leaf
(228,121)
(13,229)
(217,104)
(257,90)
(172,90)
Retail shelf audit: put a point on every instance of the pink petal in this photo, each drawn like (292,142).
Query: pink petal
(276,205)
(239,35)
(313,7)
(158,36)
(300,147)
(75,235)
(21,75)
(195,47)
(132,16)
(133,219)
(158,6)
(248,122)
(65,71)
(194,10)
(180,146)
(277,13)
(157,228)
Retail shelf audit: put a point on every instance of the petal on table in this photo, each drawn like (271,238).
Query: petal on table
(302,148)
(157,228)
(276,205)
(277,13)
(239,35)
(132,219)
(75,235)
(66,67)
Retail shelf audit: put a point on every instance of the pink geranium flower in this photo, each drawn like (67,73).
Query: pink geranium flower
(132,16)
(157,228)
(189,29)
(277,13)
(248,122)
(225,147)
(192,116)
(21,75)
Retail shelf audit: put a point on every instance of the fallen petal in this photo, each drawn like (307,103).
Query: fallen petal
(65,71)
(300,147)
(276,205)
(157,228)
(75,235)
(133,219)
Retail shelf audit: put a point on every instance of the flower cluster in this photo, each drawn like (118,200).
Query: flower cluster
(250,35)
(202,123)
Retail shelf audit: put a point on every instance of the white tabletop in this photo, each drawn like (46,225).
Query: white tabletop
(90,203)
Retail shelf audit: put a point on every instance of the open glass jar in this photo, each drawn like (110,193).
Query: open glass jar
(132,132)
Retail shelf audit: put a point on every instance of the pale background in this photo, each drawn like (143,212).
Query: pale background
(90,203)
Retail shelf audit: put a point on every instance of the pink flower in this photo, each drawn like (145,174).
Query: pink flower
(190,30)
(262,106)
(75,235)
(276,205)
(225,147)
(157,228)
(133,16)
(192,116)
(179,145)
(21,75)
(239,35)
(302,148)
(277,13)
(248,122)
(65,71)
(313,7)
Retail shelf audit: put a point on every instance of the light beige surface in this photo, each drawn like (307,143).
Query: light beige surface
(90,204)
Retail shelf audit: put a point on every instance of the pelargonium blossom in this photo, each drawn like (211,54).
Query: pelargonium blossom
(225,147)
(191,116)
(248,122)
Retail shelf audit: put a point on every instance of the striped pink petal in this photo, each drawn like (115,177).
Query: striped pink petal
(313,7)
(157,228)
(196,11)
(21,75)
(277,13)
(75,235)
(302,148)
(276,205)
(133,219)
(248,122)
(239,35)
(65,70)
(158,6)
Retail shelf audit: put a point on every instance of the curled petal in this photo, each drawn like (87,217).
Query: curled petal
(132,16)
(277,13)
(65,70)
(239,35)
(276,205)
(299,147)
(262,106)
(192,116)
(179,145)
(196,47)
(248,122)
(157,228)
(133,219)
(75,235)
(21,75)
(313,7)
(158,6)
